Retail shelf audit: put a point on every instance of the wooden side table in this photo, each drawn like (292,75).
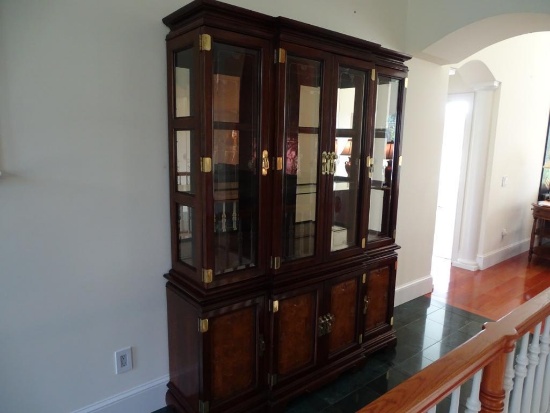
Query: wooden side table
(541,214)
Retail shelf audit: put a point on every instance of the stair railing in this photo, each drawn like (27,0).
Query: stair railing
(498,385)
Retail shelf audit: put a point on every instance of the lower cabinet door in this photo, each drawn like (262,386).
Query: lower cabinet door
(233,354)
(343,296)
(294,339)
(378,300)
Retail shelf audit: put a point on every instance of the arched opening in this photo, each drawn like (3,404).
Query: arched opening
(497,171)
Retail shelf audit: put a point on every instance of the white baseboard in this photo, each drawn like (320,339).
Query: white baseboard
(467,265)
(414,289)
(494,257)
(145,398)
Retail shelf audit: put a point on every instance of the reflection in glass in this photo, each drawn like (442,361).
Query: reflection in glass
(184,160)
(235,147)
(182,78)
(349,131)
(185,235)
(383,154)
(303,97)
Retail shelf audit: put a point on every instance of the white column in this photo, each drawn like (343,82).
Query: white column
(508,379)
(455,401)
(473,405)
(475,180)
(521,372)
(534,351)
(545,370)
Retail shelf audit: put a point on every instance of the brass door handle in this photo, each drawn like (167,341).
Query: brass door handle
(330,319)
(370,165)
(265,162)
(325,324)
(324,166)
(332,163)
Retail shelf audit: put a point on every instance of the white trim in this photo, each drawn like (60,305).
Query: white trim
(412,290)
(144,398)
(465,264)
(494,257)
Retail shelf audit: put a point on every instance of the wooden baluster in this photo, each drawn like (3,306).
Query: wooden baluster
(492,392)
(455,401)
(534,351)
(472,404)
(508,379)
(545,371)
(520,374)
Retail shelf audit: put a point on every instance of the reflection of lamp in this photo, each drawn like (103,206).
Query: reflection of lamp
(347,152)
(389,150)
(389,160)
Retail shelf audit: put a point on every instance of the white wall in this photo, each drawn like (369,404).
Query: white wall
(517,142)
(379,21)
(430,20)
(83,200)
(422,143)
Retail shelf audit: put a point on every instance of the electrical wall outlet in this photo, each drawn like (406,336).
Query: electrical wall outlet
(123,360)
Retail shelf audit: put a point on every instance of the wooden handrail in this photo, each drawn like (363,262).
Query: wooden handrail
(488,349)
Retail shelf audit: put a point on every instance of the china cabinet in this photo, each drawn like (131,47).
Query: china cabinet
(284,146)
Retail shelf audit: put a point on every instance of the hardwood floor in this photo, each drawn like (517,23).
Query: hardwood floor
(494,292)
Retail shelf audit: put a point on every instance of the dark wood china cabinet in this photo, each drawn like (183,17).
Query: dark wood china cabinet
(284,169)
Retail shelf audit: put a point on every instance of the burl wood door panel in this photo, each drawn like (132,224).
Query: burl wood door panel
(343,306)
(295,333)
(378,282)
(232,352)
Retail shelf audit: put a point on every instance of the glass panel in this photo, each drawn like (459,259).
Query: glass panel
(303,97)
(347,146)
(384,141)
(184,162)
(182,77)
(186,252)
(236,143)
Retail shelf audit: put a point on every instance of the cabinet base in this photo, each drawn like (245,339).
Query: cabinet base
(279,397)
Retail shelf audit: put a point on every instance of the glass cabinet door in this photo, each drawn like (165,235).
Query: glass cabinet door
(238,161)
(300,156)
(185,191)
(344,163)
(383,160)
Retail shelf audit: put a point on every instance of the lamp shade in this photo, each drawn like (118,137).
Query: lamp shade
(347,149)
(389,150)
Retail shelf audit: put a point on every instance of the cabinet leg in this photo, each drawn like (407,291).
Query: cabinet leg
(532,241)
